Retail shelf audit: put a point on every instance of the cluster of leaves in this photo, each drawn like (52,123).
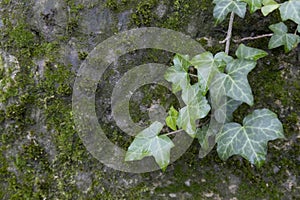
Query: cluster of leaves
(221,87)
(289,10)
(225,77)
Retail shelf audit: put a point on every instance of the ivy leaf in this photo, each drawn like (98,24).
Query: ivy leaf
(172,118)
(223,58)
(201,134)
(279,28)
(196,107)
(249,53)
(235,81)
(234,84)
(269,6)
(250,140)
(148,143)
(225,110)
(281,37)
(254,4)
(178,73)
(290,10)
(207,67)
(223,7)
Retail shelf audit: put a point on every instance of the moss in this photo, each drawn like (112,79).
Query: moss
(33,163)
(2,116)
(11,91)
(112,4)
(57,80)
(119,5)
(48,49)
(15,111)
(82,55)
(37,176)
(22,39)
(72,25)
(73,17)
(144,14)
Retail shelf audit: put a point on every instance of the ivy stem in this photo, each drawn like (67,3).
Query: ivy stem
(229,34)
(179,130)
(173,132)
(193,75)
(253,38)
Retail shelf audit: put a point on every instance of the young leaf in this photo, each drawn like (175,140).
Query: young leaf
(196,107)
(249,53)
(290,10)
(223,7)
(148,143)
(281,37)
(250,140)
(206,67)
(254,4)
(178,73)
(269,6)
(172,118)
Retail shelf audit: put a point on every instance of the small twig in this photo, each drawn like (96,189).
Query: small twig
(253,38)
(229,34)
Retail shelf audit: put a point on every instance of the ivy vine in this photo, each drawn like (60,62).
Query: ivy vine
(221,86)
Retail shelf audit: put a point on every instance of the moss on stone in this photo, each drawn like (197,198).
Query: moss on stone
(144,13)
(31,174)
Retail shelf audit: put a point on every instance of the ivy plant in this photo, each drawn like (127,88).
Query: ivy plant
(221,86)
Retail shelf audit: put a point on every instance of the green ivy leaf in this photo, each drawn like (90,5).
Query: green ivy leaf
(269,6)
(178,74)
(207,67)
(223,7)
(148,143)
(201,135)
(196,107)
(172,118)
(223,58)
(225,110)
(249,53)
(253,4)
(290,10)
(235,83)
(279,28)
(250,140)
(281,37)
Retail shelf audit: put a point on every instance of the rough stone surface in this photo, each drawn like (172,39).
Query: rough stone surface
(43,44)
